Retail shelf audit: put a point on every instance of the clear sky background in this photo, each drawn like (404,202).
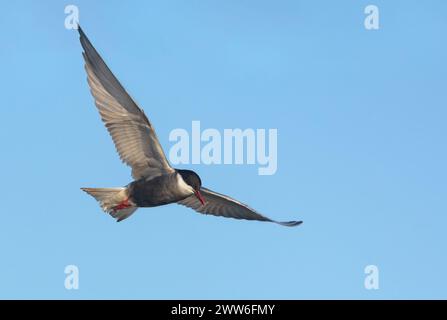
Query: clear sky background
(361,118)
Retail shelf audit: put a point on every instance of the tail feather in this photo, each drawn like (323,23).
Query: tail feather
(114,201)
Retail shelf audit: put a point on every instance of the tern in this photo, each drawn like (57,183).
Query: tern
(155,182)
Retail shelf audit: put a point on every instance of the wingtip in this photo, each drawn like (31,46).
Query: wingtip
(291,223)
(82,35)
(87,190)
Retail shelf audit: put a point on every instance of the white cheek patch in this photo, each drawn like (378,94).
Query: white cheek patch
(183,186)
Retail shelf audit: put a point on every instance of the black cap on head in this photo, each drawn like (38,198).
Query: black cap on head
(191,178)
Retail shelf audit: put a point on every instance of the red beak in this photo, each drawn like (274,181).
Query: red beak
(199,196)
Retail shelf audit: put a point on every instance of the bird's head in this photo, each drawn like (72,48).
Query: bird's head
(193,180)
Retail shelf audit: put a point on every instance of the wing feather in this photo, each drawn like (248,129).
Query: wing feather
(221,205)
(134,136)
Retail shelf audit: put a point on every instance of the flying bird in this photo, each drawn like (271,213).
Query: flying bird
(155,182)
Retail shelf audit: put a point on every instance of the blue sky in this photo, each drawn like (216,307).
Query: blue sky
(361,149)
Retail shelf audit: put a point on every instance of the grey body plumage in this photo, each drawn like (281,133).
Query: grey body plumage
(158,190)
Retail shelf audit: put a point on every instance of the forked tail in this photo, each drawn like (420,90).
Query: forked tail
(114,201)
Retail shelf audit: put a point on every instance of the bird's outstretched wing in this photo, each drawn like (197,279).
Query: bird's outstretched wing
(134,137)
(221,205)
